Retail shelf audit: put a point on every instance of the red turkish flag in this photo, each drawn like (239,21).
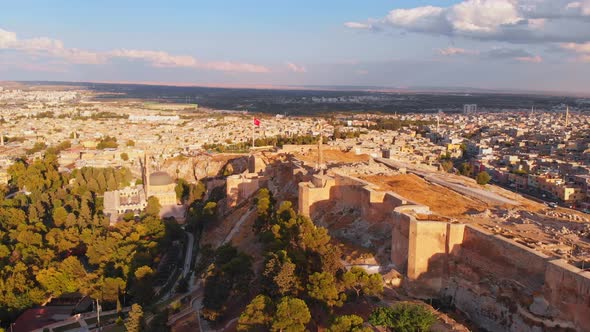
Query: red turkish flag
(256,122)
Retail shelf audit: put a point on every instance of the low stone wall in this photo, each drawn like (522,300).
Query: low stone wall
(503,285)
(373,205)
(240,187)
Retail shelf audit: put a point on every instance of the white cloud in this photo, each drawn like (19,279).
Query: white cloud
(357,25)
(296,68)
(582,51)
(55,48)
(496,53)
(530,59)
(423,19)
(7,39)
(165,60)
(456,51)
(156,58)
(516,21)
(485,16)
(577,48)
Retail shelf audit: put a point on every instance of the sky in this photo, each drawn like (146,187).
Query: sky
(492,44)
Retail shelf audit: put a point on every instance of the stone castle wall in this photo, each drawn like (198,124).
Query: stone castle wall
(503,285)
(353,193)
(242,186)
(500,284)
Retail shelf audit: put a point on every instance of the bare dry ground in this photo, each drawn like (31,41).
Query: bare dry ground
(558,232)
(440,199)
(332,156)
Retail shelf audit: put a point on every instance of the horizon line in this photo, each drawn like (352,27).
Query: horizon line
(316,87)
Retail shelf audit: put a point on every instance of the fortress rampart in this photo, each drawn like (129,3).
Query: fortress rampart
(374,205)
(500,284)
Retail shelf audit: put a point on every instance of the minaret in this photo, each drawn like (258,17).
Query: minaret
(438,124)
(320,150)
(146,172)
(567,116)
(1,138)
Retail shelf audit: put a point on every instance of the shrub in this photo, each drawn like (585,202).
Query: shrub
(403,317)
(483,178)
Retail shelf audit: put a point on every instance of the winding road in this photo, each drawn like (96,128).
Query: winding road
(189,254)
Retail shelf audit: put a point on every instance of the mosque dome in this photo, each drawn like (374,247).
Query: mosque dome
(160,179)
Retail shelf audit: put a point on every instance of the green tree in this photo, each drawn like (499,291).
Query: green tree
(483,178)
(135,321)
(279,275)
(466,169)
(209,212)
(130,143)
(110,289)
(323,287)
(66,277)
(39,146)
(124,156)
(153,206)
(404,317)
(362,283)
(142,288)
(107,142)
(348,323)
(257,316)
(182,190)
(446,165)
(231,274)
(228,170)
(59,216)
(291,315)
(196,192)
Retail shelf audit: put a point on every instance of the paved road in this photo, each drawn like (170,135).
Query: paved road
(185,268)
(430,176)
(189,255)
(237,226)
(480,194)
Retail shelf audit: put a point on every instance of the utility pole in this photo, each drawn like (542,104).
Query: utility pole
(98,315)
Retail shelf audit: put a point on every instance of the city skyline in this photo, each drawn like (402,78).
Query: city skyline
(491,44)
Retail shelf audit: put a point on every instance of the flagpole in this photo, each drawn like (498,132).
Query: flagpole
(253,128)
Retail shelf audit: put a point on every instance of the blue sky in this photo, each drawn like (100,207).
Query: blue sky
(522,44)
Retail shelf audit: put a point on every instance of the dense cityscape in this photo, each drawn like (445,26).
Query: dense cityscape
(171,208)
(295,166)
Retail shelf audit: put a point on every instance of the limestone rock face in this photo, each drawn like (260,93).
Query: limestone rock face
(540,306)
(199,167)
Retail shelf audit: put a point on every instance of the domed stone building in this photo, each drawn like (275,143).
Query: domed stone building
(161,185)
(134,198)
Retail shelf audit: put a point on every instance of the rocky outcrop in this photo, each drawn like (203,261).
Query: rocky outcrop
(202,166)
